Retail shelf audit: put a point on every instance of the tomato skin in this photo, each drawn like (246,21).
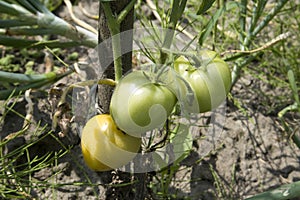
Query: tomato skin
(104,146)
(210,82)
(139,105)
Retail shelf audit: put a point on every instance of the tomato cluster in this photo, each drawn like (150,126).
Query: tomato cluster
(140,104)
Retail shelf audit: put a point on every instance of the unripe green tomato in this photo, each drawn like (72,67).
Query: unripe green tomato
(210,82)
(139,105)
(104,146)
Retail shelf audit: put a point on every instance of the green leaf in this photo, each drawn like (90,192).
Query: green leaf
(182,142)
(52,4)
(180,146)
(8,23)
(40,7)
(28,6)
(22,78)
(204,6)
(212,22)
(284,192)
(12,9)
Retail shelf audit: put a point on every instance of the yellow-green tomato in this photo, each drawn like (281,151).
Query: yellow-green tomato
(210,82)
(139,105)
(104,146)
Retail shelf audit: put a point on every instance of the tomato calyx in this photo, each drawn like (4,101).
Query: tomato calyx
(191,59)
(156,75)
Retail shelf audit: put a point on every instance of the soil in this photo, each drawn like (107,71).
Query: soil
(253,153)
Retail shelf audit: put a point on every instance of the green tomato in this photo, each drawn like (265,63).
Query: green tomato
(139,105)
(210,82)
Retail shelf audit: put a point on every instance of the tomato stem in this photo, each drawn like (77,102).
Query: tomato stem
(192,55)
(114,24)
(114,28)
(176,12)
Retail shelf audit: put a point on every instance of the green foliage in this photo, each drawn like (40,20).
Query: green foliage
(204,6)
(264,40)
(214,20)
(7,63)
(34,18)
(284,192)
(52,4)
(17,166)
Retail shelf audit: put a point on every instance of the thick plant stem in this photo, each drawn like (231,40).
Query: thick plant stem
(114,28)
(115,18)
(116,23)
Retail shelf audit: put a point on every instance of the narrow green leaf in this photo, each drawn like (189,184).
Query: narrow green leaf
(284,192)
(204,6)
(4,94)
(23,43)
(27,5)
(51,4)
(8,23)
(40,7)
(209,26)
(212,22)
(182,142)
(265,21)
(12,9)
(21,78)
(15,42)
